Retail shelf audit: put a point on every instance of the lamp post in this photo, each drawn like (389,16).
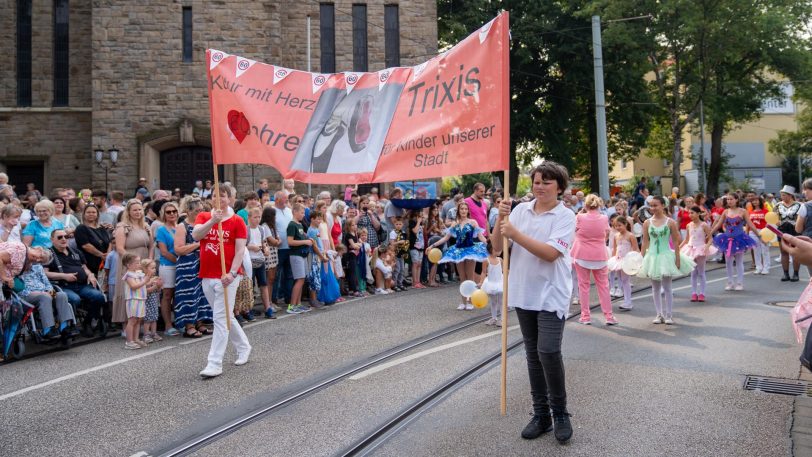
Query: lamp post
(98,156)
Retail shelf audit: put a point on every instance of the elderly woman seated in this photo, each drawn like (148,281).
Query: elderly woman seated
(40,293)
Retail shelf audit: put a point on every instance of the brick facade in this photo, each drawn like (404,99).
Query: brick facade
(130,88)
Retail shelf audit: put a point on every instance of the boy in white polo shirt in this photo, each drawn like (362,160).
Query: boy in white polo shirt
(539,287)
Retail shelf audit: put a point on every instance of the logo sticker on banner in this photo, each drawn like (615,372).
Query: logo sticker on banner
(318,81)
(216,58)
(444,117)
(351,79)
(280,73)
(243,65)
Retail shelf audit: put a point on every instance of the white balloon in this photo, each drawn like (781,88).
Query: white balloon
(632,262)
(467,288)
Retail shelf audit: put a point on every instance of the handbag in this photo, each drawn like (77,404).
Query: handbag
(256,262)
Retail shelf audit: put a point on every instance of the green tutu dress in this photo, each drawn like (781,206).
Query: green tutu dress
(659,258)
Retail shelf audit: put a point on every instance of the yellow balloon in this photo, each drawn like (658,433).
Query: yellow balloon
(767,235)
(771,218)
(435,255)
(479,299)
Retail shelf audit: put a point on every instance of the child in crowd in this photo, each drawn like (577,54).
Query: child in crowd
(615,287)
(383,271)
(153,303)
(761,252)
(624,243)
(364,254)
(135,296)
(350,258)
(111,270)
(491,284)
(698,245)
(258,251)
(398,239)
(299,250)
(416,243)
(660,263)
(733,241)
(317,256)
(338,270)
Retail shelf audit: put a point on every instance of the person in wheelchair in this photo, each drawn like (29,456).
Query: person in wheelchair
(40,293)
(68,270)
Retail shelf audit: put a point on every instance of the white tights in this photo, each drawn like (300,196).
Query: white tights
(739,259)
(698,280)
(663,284)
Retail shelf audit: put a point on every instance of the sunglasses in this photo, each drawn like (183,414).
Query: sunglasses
(60,237)
(171,212)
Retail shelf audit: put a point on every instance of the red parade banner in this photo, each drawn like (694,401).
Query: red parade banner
(447,116)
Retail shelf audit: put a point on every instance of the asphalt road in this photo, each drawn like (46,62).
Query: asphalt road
(635,389)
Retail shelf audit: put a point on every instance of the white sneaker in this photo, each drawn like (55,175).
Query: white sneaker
(627,308)
(242,359)
(738,287)
(729,287)
(390,291)
(461,307)
(211,372)
(765,271)
(380,292)
(669,321)
(469,307)
(757,272)
(658,320)
(490,321)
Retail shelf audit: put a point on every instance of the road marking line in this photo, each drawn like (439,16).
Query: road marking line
(80,373)
(420,354)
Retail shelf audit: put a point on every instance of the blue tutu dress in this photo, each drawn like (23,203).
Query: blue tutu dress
(467,246)
(733,240)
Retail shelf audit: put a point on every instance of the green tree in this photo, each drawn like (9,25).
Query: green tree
(793,145)
(552,94)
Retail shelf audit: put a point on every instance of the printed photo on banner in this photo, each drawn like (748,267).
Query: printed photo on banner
(347,130)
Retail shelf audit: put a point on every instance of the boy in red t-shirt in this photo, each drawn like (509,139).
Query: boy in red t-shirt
(216,282)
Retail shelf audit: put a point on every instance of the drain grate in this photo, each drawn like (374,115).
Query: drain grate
(780,386)
(783,304)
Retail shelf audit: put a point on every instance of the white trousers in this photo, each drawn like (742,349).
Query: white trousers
(213,290)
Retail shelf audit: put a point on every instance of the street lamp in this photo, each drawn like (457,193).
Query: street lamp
(98,156)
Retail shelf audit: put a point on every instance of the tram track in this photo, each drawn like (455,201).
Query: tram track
(202,440)
(384,431)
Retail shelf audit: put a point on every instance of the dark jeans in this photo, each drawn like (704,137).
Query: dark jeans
(92,298)
(284,277)
(542,332)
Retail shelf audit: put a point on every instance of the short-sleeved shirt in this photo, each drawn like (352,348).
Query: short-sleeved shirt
(167,237)
(130,293)
(391,211)
(365,221)
(233,229)
(41,234)
(255,238)
(535,284)
(416,239)
(315,234)
(296,230)
(98,237)
(72,262)
(283,218)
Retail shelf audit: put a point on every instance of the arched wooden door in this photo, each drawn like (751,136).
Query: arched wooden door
(181,167)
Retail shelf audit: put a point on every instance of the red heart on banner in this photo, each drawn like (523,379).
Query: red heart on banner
(238,124)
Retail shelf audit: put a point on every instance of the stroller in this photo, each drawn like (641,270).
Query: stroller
(15,313)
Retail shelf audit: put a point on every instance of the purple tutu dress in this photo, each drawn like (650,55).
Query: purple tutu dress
(733,240)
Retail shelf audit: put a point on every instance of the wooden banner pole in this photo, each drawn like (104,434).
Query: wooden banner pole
(506,270)
(220,241)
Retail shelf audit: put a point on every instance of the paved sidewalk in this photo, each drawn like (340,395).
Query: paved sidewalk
(801,431)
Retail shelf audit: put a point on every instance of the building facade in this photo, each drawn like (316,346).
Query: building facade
(82,75)
(746,146)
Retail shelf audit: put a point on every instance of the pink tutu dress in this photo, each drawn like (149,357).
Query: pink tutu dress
(697,246)
(615,263)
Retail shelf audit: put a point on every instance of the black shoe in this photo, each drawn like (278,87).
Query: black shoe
(538,425)
(87,330)
(249,316)
(806,363)
(785,278)
(795,278)
(563,427)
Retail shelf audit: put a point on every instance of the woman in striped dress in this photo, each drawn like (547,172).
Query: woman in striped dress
(191,307)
